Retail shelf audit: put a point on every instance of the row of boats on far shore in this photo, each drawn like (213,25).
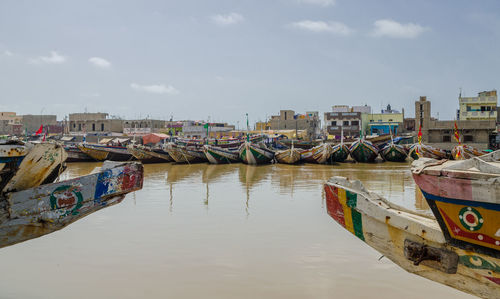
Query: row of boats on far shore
(253,150)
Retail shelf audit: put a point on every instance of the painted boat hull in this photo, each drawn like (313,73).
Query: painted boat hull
(181,154)
(289,156)
(252,154)
(102,153)
(340,153)
(219,155)
(464,152)
(394,153)
(466,203)
(413,241)
(37,211)
(320,154)
(363,151)
(426,151)
(144,155)
(76,155)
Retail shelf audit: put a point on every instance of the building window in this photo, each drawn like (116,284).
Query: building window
(334,123)
(446,138)
(468,108)
(79,127)
(345,123)
(468,138)
(93,127)
(355,123)
(74,125)
(102,127)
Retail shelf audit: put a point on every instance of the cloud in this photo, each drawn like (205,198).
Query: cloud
(323,3)
(91,95)
(227,19)
(100,62)
(321,26)
(8,53)
(156,89)
(390,28)
(54,58)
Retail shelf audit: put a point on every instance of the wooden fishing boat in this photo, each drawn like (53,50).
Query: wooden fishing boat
(254,154)
(220,155)
(363,151)
(185,154)
(415,241)
(147,154)
(76,155)
(464,152)
(394,153)
(319,154)
(288,156)
(340,152)
(427,151)
(106,152)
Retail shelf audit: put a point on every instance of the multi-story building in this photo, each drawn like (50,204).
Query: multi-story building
(32,123)
(479,133)
(94,123)
(143,126)
(387,121)
(195,129)
(347,122)
(288,120)
(484,106)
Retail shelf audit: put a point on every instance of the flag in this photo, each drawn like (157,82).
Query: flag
(44,134)
(457,134)
(420,135)
(40,130)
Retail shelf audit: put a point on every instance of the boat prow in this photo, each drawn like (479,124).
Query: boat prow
(412,240)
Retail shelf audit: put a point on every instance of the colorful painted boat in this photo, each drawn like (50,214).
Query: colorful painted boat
(412,240)
(39,210)
(254,154)
(426,151)
(464,152)
(220,155)
(185,154)
(340,152)
(363,151)
(320,154)
(147,154)
(106,152)
(288,156)
(76,155)
(394,153)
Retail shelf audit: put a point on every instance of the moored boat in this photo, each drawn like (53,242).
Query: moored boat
(340,152)
(394,153)
(220,155)
(185,154)
(464,152)
(363,151)
(146,154)
(254,154)
(413,240)
(288,156)
(319,154)
(426,151)
(106,152)
(75,154)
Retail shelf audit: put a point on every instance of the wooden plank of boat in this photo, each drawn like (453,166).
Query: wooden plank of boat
(413,241)
(11,152)
(319,154)
(465,198)
(426,151)
(180,155)
(394,153)
(76,155)
(289,156)
(363,151)
(104,152)
(38,165)
(218,155)
(340,152)
(253,154)
(160,153)
(96,154)
(464,152)
(37,211)
(141,154)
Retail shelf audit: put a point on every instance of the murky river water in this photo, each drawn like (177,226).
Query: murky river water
(219,231)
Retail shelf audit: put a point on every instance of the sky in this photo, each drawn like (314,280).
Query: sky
(217,60)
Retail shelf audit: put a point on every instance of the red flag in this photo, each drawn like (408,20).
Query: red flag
(420,135)
(40,130)
(43,140)
(457,134)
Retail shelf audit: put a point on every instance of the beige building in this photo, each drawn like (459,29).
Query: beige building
(94,123)
(11,117)
(288,120)
(32,123)
(143,126)
(484,106)
(477,133)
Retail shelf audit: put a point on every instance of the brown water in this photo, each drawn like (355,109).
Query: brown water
(219,231)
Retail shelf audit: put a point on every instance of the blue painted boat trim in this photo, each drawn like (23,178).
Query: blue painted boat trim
(469,203)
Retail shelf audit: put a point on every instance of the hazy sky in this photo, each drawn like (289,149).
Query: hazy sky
(222,59)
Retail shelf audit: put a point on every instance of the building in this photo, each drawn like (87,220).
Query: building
(94,123)
(32,123)
(196,129)
(173,128)
(11,124)
(479,133)
(288,120)
(11,117)
(484,106)
(143,126)
(385,122)
(347,122)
